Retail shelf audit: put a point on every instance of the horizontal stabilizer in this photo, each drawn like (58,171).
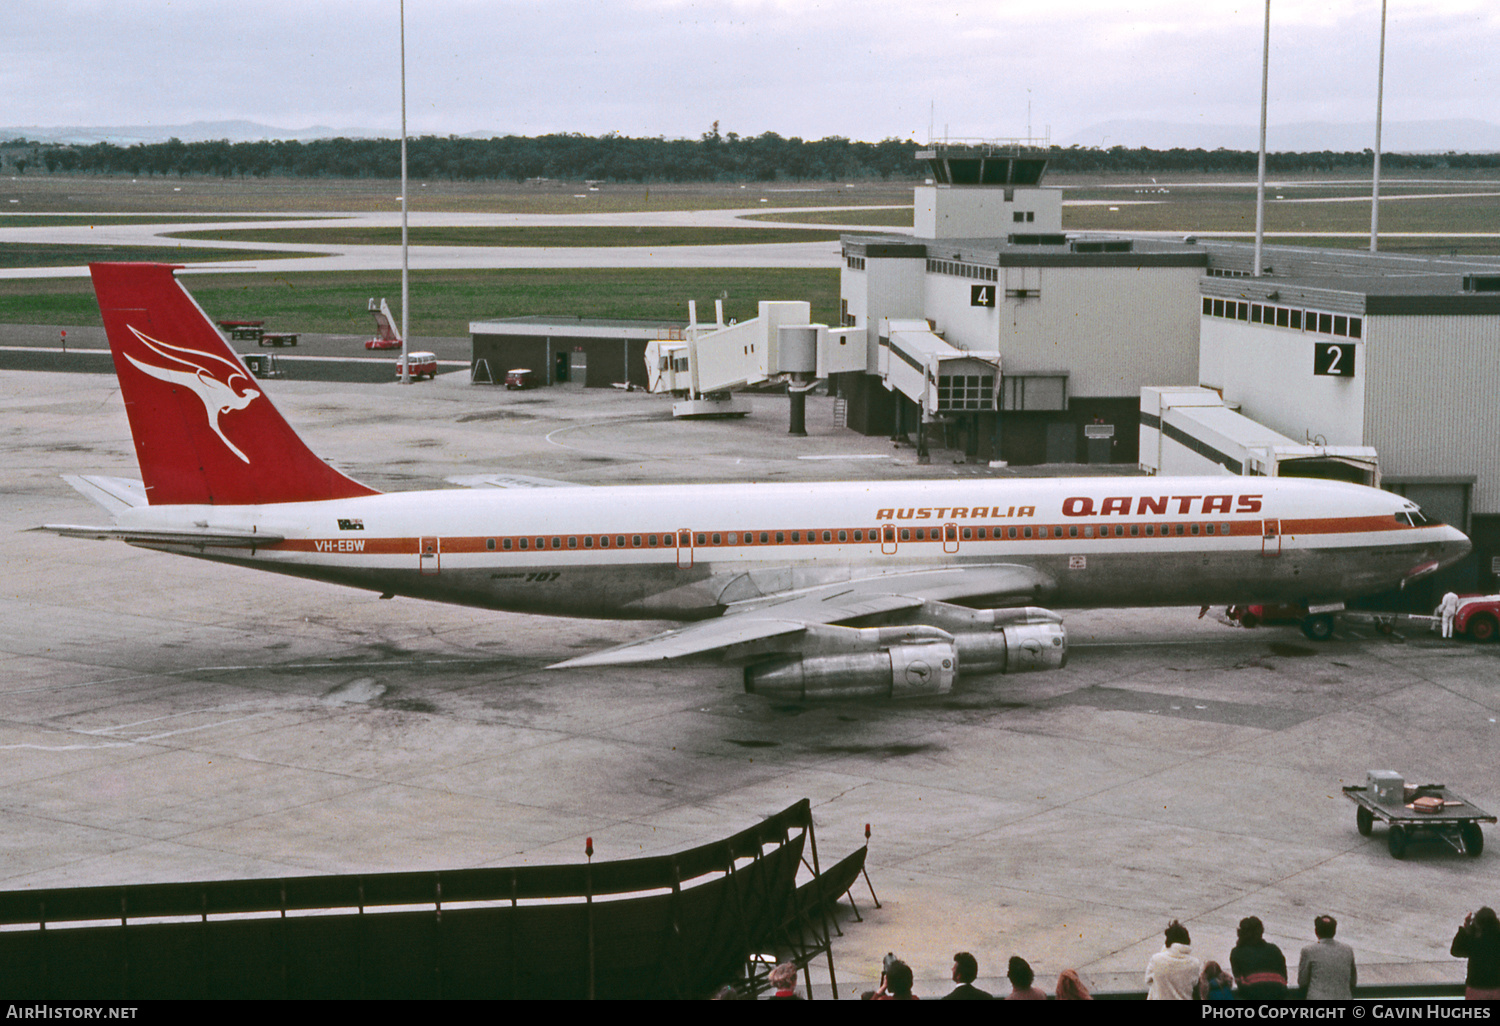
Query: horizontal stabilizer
(508,481)
(217,538)
(114,494)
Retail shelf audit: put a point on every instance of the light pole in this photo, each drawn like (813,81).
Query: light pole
(405,265)
(1379,109)
(1260,177)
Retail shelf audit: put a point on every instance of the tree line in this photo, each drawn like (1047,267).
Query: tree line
(616,158)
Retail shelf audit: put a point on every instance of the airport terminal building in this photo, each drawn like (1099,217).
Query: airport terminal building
(1332,349)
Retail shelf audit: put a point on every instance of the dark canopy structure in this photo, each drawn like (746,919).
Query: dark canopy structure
(677,925)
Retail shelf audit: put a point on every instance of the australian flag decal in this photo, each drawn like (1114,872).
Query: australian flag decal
(351,525)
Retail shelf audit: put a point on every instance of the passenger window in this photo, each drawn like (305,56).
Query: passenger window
(588,541)
(764,537)
(843,536)
(637,541)
(780,537)
(489,543)
(506,544)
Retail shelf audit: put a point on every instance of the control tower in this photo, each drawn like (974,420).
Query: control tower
(984,190)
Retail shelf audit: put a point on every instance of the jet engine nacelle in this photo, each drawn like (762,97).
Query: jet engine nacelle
(912,660)
(1017,648)
(896,671)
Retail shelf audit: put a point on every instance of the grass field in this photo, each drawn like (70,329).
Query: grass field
(91,220)
(1458,205)
(117,195)
(44,254)
(542,235)
(444,302)
(895,217)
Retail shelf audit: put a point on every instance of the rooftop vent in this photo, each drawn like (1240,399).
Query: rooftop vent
(1036,239)
(1103,246)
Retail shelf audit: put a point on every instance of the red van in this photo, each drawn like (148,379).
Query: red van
(421,364)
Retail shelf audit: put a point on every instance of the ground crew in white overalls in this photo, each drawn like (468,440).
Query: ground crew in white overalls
(1447,610)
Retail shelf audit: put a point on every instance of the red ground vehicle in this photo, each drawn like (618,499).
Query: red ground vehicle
(1317,626)
(422,365)
(1478,616)
(519,378)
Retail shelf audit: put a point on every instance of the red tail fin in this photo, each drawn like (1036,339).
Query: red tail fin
(204,432)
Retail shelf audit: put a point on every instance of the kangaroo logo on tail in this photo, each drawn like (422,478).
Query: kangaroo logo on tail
(213,383)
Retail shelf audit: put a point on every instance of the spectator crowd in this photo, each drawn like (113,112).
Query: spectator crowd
(1326,969)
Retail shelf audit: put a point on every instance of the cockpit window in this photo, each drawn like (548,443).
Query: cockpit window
(1416,518)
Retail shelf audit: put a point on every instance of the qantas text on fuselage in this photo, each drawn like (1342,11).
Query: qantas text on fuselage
(1088,506)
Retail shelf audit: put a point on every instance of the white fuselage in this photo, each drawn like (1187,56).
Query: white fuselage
(688,552)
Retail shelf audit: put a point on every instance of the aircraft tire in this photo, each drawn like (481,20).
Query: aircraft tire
(1318,628)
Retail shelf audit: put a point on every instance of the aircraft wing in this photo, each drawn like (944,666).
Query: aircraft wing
(759,619)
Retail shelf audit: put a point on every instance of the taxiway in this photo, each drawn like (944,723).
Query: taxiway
(166,719)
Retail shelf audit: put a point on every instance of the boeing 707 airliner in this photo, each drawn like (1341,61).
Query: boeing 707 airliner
(817,590)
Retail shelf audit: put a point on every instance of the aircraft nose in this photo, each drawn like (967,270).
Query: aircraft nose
(1455,545)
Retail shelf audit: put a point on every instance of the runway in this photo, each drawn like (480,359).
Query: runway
(339,257)
(168,719)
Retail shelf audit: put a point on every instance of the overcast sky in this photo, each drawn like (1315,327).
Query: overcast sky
(866,69)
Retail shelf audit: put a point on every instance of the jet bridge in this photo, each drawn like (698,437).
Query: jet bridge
(940,378)
(705,365)
(1190,431)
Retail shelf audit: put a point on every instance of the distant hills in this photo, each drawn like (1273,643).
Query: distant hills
(1460,135)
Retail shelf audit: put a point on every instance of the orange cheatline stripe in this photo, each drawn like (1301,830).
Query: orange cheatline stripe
(352,544)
